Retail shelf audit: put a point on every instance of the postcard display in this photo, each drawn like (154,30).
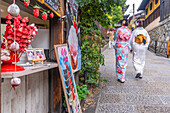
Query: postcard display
(67,79)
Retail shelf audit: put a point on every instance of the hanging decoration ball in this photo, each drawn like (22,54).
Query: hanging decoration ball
(26,2)
(36,11)
(51,15)
(44,16)
(14,10)
(15,82)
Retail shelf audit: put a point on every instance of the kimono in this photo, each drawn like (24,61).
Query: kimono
(122,47)
(140,43)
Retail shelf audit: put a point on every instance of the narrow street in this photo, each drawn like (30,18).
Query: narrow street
(149,95)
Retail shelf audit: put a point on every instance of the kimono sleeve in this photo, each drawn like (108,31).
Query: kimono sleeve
(115,38)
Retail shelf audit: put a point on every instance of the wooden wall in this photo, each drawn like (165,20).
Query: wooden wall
(30,97)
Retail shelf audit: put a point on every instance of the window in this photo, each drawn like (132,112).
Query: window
(146,11)
(151,6)
(156,2)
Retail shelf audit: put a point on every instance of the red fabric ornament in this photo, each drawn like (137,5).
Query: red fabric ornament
(20,29)
(28,37)
(8,22)
(19,34)
(3,46)
(10,41)
(24,45)
(25,20)
(9,37)
(44,16)
(36,11)
(19,17)
(9,31)
(28,27)
(23,24)
(26,2)
(8,17)
(25,31)
(51,15)
(8,27)
(24,36)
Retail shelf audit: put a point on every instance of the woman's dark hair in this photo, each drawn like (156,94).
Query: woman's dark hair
(139,23)
(111,29)
(126,22)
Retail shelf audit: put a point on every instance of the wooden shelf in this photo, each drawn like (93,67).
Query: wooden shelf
(30,70)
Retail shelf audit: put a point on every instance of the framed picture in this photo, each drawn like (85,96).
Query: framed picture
(67,78)
(39,52)
(30,54)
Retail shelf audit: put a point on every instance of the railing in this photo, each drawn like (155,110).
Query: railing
(160,47)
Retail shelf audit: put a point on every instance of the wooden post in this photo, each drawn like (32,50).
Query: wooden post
(168,49)
(0,60)
(156,42)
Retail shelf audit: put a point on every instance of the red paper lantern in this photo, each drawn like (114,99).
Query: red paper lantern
(44,16)
(36,11)
(26,2)
(51,15)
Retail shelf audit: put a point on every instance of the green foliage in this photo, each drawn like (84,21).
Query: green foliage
(82,91)
(107,13)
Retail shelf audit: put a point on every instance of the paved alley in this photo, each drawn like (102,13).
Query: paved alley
(149,95)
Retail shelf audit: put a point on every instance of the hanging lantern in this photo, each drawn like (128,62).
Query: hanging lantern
(51,15)
(44,16)
(36,11)
(26,2)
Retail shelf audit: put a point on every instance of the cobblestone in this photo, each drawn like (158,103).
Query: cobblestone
(149,95)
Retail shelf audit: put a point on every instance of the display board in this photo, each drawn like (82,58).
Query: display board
(67,78)
(73,28)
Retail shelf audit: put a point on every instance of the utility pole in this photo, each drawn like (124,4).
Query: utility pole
(133,13)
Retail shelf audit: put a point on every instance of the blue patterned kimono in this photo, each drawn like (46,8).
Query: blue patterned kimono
(122,46)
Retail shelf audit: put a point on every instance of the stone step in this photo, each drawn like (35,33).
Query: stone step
(119,108)
(146,90)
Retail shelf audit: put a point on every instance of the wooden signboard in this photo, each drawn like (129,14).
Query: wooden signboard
(67,78)
(54,5)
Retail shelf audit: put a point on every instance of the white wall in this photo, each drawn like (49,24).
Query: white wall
(41,40)
(154,24)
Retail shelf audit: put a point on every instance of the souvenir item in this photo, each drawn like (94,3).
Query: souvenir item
(13,10)
(15,82)
(44,16)
(36,11)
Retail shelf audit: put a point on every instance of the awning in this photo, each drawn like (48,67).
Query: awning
(143,5)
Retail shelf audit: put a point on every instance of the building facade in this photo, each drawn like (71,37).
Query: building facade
(152,13)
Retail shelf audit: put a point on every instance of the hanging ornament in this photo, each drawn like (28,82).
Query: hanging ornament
(36,11)
(51,15)
(15,82)
(13,9)
(44,16)
(26,2)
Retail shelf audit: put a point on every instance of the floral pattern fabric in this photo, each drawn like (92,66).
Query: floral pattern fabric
(122,46)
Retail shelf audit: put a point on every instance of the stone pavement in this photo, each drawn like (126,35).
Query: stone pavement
(149,95)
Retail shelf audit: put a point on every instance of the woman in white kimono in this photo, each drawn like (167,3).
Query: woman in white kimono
(140,43)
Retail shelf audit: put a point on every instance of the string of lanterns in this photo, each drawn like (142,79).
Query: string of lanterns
(36,10)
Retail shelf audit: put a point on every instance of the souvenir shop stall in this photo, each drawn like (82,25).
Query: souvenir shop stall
(28,36)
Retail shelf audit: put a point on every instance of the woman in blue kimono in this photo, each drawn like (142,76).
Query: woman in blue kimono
(122,47)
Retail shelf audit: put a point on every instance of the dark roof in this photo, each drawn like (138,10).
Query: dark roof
(140,15)
(126,16)
(143,5)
